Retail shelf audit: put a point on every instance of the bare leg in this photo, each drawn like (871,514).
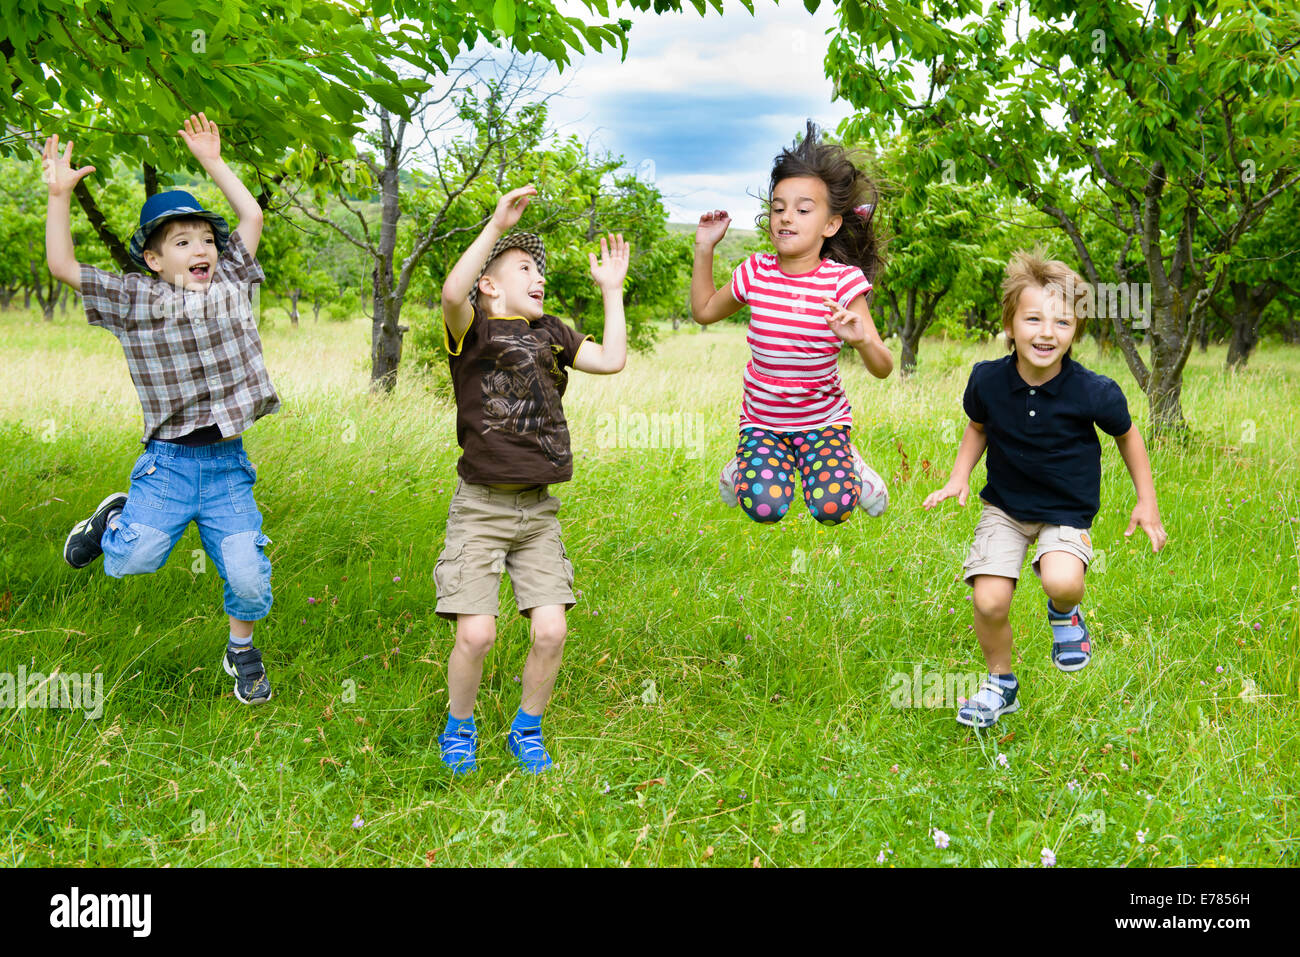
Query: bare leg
(1062,575)
(548,626)
(475,635)
(992,627)
(240,628)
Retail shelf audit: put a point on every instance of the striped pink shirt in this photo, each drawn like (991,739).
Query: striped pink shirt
(791,380)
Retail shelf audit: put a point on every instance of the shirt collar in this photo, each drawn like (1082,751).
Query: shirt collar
(1052,386)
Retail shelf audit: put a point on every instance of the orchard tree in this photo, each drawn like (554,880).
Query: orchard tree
(933,234)
(1182,115)
(1265,264)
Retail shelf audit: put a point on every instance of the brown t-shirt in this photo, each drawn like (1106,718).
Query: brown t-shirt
(509,376)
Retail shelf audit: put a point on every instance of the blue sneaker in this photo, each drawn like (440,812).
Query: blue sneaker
(1071,646)
(527,746)
(458,750)
(991,702)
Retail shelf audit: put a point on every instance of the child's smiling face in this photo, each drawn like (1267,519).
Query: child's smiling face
(513,286)
(1042,330)
(799,216)
(186,255)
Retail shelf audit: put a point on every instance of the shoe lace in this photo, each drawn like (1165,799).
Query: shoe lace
(531,742)
(459,744)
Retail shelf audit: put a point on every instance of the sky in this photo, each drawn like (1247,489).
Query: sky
(704,103)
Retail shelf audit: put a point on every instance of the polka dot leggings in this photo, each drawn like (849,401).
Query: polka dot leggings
(768,462)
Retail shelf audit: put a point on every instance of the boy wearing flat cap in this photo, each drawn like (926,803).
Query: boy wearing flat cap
(508,366)
(192,347)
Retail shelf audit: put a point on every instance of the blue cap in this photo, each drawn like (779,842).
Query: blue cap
(173,204)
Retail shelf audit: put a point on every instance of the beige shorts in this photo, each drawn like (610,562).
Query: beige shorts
(1001,544)
(488,531)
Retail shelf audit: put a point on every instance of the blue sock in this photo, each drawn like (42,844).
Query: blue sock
(239,644)
(457,725)
(525,721)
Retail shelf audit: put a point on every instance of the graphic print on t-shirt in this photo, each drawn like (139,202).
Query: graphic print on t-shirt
(516,401)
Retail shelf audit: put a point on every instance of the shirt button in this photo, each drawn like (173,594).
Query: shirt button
(1033,392)
(1031,411)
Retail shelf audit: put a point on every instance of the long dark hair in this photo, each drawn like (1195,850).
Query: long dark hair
(852,194)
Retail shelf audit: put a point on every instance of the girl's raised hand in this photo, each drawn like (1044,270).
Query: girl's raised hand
(57,171)
(201,136)
(610,272)
(845,323)
(511,206)
(712,227)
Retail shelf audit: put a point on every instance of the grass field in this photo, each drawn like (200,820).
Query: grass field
(729,690)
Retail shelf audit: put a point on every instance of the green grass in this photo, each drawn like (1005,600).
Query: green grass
(724,698)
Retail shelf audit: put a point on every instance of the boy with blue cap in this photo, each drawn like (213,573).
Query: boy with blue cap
(192,347)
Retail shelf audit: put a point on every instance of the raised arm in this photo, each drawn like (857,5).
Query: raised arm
(1146,514)
(707,303)
(457,313)
(610,356)
(60,178)
(973,443)
(203,139)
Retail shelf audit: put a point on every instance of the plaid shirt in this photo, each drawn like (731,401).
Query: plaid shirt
(195,357)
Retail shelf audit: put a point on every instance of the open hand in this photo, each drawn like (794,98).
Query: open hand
(712,227)
(1147,517)
(846,323)
(610,272)
(511,206)
(201,136)
(959,489)
(57,170)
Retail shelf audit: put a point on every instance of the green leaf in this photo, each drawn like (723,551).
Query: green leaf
(503,15)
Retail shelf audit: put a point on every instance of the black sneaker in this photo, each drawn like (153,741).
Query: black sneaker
(251,684)
(82,546)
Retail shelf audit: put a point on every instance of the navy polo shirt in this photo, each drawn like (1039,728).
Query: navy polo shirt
(1044,459)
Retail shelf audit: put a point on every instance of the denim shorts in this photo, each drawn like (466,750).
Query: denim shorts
(171,486)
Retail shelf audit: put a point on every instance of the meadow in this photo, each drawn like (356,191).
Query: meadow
(730,692)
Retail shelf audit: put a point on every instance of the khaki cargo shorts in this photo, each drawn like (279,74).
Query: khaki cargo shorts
(489,530)
(1001,544)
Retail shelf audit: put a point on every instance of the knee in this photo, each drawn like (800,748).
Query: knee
(761,507)
(135,550)
(248,570)
(991,607)
(1063,585)
(548,636)
(828,512)
(476,639)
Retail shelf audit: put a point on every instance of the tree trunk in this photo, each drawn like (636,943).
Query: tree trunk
(908,365)
(1248,306)
(294,296)
(315,310)
(386,332)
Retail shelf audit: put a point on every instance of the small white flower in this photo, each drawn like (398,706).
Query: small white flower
(1142,837)
(1002,759)
(1049,857)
